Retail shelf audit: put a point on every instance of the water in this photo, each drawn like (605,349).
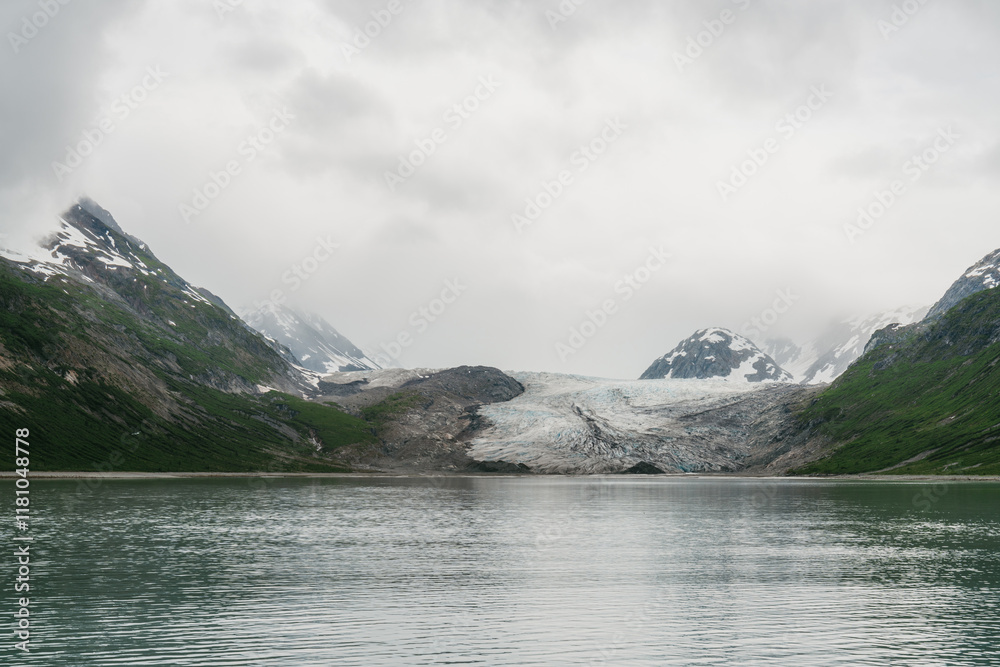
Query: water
(512,571)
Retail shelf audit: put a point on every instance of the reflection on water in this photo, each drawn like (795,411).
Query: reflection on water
(515,571)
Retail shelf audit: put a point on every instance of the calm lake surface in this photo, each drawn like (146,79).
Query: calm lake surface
(511,571)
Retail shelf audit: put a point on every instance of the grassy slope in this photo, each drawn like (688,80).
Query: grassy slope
(933,389)
(99,422)
(391,408)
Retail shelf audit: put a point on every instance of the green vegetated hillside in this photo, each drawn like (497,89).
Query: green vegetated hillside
(123,368)
(929,392)
(116,363)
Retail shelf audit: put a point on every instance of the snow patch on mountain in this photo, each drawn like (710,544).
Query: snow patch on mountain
(826,357)
(68,248)
(981,276)
(311,339)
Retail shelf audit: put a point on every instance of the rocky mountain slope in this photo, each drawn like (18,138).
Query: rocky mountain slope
(114,362)
(112,359)
(313,341)
(717,353)
(924,398)
(423,419)
(825,358)
(983,275)
(828,356)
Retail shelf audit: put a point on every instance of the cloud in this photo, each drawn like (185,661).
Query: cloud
(50,81)
(358,113)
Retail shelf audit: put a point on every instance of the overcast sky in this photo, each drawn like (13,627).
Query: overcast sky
(833,99)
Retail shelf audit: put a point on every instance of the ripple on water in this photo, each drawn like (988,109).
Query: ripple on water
(505,571)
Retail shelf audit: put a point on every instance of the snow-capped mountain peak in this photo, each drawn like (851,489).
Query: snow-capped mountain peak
(983,275)
(829,355)
(89,245)
(717,353)
(315,343)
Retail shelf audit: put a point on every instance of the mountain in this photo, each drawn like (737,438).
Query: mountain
(983,275)
(115,362)
(923,398)
(825,358)
(112,360)
(423,419)
(717,353)
(314,342)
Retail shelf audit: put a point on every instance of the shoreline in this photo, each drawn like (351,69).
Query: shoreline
(55,475)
